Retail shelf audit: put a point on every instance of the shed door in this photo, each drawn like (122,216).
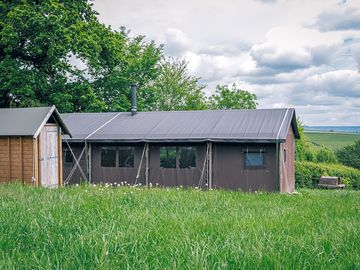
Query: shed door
(49,160)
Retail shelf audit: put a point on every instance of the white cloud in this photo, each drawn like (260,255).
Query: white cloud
(289,48)
(176,42)
(339,19)
(339,83)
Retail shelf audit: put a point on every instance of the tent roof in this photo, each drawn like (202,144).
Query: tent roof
(28,121)
(260,125)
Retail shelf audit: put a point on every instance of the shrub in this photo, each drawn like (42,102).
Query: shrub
(350,155)
(307,173)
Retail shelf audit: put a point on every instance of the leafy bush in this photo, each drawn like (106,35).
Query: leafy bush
(350,155)
(307,173)
(325,155)
(306,151)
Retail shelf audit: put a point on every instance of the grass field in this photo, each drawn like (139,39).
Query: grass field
(131,228)
(332,140)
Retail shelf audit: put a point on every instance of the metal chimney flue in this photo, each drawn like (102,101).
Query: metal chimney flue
(133,99)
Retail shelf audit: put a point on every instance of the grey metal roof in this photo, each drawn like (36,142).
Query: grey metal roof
(260,125)
(28,121)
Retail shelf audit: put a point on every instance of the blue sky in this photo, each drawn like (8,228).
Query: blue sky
(290,53)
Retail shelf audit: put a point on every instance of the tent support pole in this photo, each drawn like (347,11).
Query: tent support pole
(147,164)
(210,165)
(89,159)
(278,165)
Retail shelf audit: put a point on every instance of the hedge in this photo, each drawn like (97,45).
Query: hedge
(308,173)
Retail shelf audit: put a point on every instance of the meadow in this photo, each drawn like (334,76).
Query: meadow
(91,227)
(332,140)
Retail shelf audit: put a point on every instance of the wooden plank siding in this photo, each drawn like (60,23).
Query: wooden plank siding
(16,159)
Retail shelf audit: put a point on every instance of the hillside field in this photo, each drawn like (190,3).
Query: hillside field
(91,227)
(332,140)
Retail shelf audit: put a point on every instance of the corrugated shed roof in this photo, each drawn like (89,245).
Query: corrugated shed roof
(261,125)
(27,121)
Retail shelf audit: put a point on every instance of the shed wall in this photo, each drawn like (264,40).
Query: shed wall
(229,169)
(287,164)
(116,174)
(175,176)
(16,159)
(76,177)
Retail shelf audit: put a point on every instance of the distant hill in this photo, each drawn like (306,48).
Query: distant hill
(345,129)
(332,140)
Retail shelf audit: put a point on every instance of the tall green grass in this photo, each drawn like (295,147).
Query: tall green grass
(131,228)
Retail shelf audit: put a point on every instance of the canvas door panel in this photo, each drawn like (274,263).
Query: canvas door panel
(49,156)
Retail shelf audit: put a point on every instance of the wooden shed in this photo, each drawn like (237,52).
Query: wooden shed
(30,146)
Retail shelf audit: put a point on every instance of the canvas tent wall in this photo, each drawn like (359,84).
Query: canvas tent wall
(222,141)
(30,146)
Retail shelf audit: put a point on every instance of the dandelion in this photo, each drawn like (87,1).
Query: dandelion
(157,184)
(196,188)
(122,183)
(77,185)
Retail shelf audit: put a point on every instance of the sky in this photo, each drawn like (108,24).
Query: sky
(303,54)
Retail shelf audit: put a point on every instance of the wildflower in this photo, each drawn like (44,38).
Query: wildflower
(77,185)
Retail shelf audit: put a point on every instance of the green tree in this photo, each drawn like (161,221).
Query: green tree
(306,151)
(175,89)
(57,52)
(350,155)
(231,98)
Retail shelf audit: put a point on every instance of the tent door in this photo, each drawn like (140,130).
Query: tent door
(49,159)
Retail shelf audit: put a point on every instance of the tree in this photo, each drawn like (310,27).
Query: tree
(231,98)
(175,89)
(350,155)
(57,52)
(306,151)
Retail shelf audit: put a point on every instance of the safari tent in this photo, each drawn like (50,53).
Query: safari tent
(30,146)
(233,149)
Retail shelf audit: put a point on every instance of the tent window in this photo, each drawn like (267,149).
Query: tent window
(168,157)
(187,157)
(126,157)
(108,156)
(68,157)
(254,159)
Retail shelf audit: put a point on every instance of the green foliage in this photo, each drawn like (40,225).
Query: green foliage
(308,173)
(174,89)
(306,151)
(350,155)
(57,52)
(232,98)
(325,155)
(131,228)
